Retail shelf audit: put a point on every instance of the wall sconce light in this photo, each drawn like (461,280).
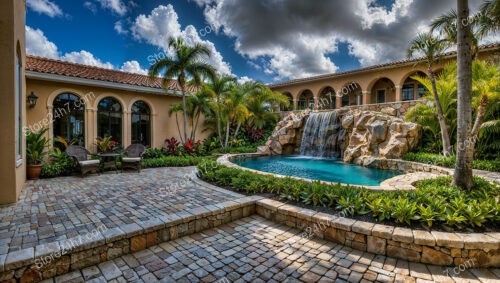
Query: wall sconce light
(32,98)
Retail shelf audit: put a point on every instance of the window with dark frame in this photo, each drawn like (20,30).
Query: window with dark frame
(408,92)
(69,118)
(381,96)
(110,119)
(141,123)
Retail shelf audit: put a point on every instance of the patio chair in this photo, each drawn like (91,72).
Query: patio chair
(133,158)
(80,155)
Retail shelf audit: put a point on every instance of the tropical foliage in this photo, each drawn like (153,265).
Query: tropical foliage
(486,83)
(434,203)
(187,67)
(36,145)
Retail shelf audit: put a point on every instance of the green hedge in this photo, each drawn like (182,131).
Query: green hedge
(449,162)
(171,161)
(434,202)
(235,150)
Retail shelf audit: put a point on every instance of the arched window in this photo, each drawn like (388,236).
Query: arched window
(69,118)
(141,123)
(110,119)
(306,100)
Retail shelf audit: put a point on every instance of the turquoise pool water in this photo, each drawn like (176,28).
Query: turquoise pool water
(330,170)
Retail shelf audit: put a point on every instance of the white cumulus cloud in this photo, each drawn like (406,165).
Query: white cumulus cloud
(44,7)
(133,67)
(116,6)
(37,44)
(163,23)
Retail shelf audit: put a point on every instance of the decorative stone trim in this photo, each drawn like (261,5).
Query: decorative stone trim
(438,248)
(115,242)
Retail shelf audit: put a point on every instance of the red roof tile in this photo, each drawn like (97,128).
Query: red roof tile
(57,67)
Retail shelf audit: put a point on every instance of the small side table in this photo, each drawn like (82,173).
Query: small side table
(108,161)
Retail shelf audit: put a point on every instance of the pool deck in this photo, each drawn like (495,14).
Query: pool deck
(51,210)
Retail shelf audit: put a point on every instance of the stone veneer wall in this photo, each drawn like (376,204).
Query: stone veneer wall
(397,109)
(438,248)
(115,242)
(408,166)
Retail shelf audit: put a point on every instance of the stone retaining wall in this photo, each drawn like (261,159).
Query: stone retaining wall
(115,242)
(439,248)
(397,109)
(408,166)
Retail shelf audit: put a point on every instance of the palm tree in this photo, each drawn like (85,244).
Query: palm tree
(187,64)
(432,47)
(484,22)
(198,104)
(489,22)
(218,89)
(463,168)
(426,115)
(176,108)
(262,102)
(234,110)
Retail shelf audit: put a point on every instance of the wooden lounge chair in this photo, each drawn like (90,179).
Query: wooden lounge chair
(133,158)
(80,155)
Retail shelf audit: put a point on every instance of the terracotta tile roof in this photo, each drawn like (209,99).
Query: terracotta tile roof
(57,67)
(380,66)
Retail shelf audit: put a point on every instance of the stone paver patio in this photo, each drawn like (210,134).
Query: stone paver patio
(252,250)
(56,209)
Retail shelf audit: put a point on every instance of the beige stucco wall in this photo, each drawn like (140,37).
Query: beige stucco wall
(368,82)
(12,42)
(163,125)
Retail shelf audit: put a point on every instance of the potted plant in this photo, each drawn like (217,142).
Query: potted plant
(106,144)
(35,151)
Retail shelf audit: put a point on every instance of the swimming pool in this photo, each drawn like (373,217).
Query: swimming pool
(324,169)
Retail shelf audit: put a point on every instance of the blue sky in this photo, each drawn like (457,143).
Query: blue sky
(258,39)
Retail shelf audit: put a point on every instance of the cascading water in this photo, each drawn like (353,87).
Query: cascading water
(323,135)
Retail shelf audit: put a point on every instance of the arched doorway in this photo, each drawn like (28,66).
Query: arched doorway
(141,123)
(69,118)
(382,91)
(327,99)
(306,100)
(351,94)
(110,119)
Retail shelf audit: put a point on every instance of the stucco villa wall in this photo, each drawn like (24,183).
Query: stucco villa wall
(366,82)
(12,42)
(162,124)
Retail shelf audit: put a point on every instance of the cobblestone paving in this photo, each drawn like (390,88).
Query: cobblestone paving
(253,250)
(56,209)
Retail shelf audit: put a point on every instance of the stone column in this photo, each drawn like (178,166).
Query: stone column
(127,125)
(338,102)
(399,93)
(315,103)
(366,97)
(295,104)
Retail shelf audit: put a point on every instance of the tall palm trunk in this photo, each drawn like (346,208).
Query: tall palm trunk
(183,88)
(463,168)
(178,128)
(228,123)
(445,136)
(237,130)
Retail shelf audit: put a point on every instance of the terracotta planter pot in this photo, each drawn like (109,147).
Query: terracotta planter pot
(34,171)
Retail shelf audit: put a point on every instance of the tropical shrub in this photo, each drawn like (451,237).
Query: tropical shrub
(106,144)
(434,203)
(36,145)
(449,162)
